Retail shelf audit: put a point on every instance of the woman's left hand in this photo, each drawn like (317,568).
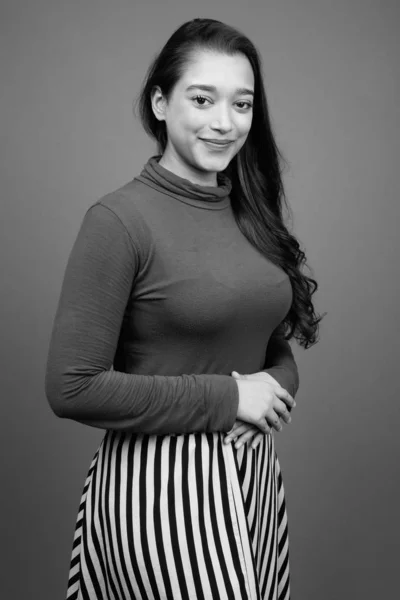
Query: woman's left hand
(242,432)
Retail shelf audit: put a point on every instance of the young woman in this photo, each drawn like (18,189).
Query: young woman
(180,294)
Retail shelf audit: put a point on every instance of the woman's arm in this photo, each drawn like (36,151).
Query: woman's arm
(280,362)
(79,383)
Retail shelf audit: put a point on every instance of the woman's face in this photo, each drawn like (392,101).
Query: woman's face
(212,101)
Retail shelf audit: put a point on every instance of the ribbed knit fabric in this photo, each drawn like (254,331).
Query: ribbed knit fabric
(162,298)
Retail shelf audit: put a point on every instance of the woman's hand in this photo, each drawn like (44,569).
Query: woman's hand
(262,402)
(260,375)
(242,432)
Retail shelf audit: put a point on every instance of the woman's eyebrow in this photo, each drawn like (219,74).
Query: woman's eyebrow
(212,88)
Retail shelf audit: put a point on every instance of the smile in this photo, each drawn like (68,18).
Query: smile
(217,145)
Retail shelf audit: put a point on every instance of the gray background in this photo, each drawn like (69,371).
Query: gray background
(69,73)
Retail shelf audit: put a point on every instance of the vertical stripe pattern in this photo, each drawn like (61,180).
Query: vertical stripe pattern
(181,517)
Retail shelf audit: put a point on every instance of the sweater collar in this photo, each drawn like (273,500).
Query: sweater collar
(202,196)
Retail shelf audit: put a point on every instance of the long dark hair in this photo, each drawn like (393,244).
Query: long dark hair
(257,196)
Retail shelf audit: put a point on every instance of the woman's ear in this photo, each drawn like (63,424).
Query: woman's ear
(158,103)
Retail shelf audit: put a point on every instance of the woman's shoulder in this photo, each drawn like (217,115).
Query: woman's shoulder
(123,209)
(124,201)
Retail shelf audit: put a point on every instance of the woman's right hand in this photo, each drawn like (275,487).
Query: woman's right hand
(263,404)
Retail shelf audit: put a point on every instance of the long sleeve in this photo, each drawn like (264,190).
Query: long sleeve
(80,383)
(280,363)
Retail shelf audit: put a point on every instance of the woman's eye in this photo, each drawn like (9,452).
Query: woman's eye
(200,98)
(248,105)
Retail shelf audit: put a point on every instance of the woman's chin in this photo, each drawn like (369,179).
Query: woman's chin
(213,163)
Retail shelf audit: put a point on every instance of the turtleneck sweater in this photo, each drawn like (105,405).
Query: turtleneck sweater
(162,298)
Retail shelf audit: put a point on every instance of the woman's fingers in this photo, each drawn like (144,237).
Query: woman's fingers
(274,420)
(283,411)
(285,396)
(251,433)
(232,431)
(274,416)
(234,427)
(263,425)
(257,439)
(245,437)
(243,432)
(238,428)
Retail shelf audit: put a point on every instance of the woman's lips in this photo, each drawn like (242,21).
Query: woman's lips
(217,145)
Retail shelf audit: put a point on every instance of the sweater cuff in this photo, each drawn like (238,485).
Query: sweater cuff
(221,401)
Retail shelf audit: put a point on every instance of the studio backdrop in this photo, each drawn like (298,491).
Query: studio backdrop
(69,74)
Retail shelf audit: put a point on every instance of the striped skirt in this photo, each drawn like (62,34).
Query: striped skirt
(181,517)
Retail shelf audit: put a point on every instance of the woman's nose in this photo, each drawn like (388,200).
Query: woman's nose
(222,120)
